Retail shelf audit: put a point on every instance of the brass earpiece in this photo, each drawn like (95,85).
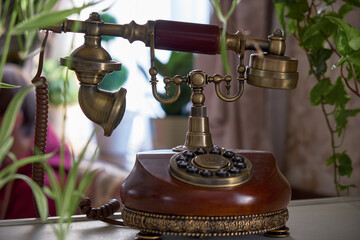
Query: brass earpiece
(273,69)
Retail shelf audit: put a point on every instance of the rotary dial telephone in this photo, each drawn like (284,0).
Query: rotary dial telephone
(196,189)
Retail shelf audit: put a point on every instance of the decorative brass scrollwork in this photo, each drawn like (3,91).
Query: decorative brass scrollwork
(190,79)
(177,80)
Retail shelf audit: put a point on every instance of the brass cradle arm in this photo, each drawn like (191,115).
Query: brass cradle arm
(217,79)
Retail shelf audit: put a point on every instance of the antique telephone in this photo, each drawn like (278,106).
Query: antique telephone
(196,189)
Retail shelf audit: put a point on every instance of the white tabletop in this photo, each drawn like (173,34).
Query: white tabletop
(326,218)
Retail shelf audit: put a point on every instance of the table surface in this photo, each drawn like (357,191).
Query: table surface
(325,218)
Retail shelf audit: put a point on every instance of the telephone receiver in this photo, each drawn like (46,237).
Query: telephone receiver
(196,189)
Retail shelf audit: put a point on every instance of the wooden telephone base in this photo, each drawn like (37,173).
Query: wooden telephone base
(157,203)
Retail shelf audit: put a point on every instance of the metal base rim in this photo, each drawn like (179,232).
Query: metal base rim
(204,226)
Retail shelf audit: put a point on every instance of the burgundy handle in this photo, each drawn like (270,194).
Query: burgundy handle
(187,37)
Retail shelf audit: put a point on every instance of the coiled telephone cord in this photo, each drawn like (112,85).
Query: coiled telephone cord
(102,213)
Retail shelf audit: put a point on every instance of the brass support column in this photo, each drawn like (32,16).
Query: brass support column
(198,135)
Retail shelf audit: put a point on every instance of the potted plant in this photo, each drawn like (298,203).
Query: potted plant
(324,35)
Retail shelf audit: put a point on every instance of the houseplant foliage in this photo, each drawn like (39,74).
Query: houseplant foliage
(21,20)
(67,195)
(6,140)
(322,32)
(223,18)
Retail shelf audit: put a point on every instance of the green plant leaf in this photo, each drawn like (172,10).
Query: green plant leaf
(12,168)
(286,1)
(224,18)
(331,160)
(354,57)
(86,179)
(179,63)
(297,10)
(40,198)
(318,58)
(5,148)
(55,188)
(329,2)
(70,201)
(5,180)
(342,42)
(337,94)
(313,30)
(280,14)
(341,118)
(353,2)
(346,187)
(319,91)
(218,11)
(49,192)
(12,110)
(6,46)
(46,19)
(5,85)
(345,167)
(352,34)
(344,10)
(292,26)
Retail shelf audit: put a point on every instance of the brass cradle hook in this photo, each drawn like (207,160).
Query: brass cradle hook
(178,80)
(217,79)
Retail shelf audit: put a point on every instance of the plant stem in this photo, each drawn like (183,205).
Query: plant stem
(356,90)
(354,77)
(326,115)
(333,147)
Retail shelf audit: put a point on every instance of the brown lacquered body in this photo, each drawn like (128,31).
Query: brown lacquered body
(150,188)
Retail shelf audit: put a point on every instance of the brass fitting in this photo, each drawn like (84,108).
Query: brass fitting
(273,69)
(91,63)
(277,43)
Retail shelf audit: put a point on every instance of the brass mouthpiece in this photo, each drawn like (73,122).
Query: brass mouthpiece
(91,63)
(101,107)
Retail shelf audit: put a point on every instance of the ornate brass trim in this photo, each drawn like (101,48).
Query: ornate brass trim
(204,226)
